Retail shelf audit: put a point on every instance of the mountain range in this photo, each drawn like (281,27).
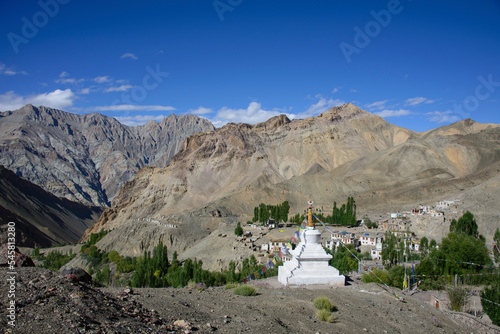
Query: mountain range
(87,158)
(181,180)
(343,152)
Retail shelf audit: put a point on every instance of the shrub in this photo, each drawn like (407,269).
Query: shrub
(382,274)
(230,286)
(191,285)
(238,230)
(114,256)
(245,290)
(323,303)
(325,315)
(490,302)
(458,298)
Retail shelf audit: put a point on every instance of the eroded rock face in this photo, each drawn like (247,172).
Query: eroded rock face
(89,157)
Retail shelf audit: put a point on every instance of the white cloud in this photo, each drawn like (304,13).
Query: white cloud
(130,107)
(336,90)
(129,55)
(417,100)
(58,99)
(393,113)
(10,71)
(200,111)
(353,90)
(320,107)
(139,119)
(252,115)
(65,79)
(376,105)
(84,91)
(121,88)
(11,101)
(102,79)
(443,117)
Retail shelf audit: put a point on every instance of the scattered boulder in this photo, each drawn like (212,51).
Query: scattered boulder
(20,259)
(77,275)
(182,324)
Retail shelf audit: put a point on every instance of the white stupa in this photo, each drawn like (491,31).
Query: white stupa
(310,261)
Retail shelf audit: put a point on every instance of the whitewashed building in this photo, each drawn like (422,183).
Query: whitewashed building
(344,237)
(368,239)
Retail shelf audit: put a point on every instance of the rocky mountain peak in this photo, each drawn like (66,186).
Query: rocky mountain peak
(88,157)
(274,122)
(348,110)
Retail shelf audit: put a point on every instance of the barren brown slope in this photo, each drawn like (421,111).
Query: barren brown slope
(463,127)
(41,219)
(213,165)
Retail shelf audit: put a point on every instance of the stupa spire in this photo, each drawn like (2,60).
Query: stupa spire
(310,221)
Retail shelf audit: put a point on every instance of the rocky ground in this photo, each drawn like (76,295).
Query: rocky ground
(47,302)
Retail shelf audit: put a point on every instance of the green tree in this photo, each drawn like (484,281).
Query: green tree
(343,260)
(114,257)
(496,248)
(149,265)
(238,230)
(391,249)
(465,224)
(424,246)
(460,249)
(491,303)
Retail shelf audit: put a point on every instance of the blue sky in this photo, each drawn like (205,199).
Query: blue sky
(418,64)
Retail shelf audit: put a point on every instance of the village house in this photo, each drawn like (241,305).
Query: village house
(344,237)
(276,245)
(403,234)
(376,253)
(370,239)
(444,205)
(436,213)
